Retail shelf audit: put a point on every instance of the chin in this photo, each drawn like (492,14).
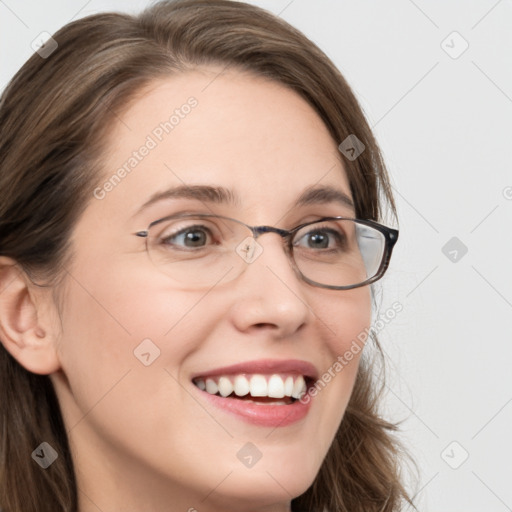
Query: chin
(262,487)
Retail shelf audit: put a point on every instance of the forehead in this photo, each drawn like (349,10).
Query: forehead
(230,128)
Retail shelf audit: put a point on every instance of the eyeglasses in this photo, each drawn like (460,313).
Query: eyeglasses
(198,250)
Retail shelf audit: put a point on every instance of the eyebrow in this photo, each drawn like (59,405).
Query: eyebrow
(220,195)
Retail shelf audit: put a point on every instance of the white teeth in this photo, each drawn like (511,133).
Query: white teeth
(276,387)
(225,386)
(241,386)
(257,386)
(288,386)
(299,387)
(211,387)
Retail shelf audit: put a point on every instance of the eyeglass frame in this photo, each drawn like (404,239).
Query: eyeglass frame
(390,238)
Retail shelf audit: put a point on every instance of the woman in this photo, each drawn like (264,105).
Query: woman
(159,351)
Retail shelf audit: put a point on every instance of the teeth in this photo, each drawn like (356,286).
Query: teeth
(241,386)
(276,387)
(211,387)
(257,385)
(288,386)
(299,387)
(225,386)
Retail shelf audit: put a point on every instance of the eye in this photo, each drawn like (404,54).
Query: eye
(319,238)
(195,236)
(190,237)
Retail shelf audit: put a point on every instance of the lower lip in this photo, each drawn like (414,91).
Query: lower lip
(262,414)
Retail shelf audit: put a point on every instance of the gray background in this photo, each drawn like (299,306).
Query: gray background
(444,123)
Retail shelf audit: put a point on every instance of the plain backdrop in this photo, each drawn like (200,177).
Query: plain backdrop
(435,81)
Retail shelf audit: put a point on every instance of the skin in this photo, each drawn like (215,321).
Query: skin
(139,439)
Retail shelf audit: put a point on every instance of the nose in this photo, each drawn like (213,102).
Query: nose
(269,294)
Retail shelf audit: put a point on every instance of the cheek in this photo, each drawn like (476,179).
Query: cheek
(346,316)
(347,319)
(111,324)
(108,328)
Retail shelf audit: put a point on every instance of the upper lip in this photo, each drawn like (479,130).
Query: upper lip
(264,366)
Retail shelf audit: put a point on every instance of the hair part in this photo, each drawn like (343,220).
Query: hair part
(55,118)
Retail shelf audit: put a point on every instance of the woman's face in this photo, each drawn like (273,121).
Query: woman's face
(132,337)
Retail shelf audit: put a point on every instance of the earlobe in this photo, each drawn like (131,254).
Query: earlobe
(25,329)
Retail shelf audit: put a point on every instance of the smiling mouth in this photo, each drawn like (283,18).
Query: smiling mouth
(269,389)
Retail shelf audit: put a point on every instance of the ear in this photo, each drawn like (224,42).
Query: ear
(27,329)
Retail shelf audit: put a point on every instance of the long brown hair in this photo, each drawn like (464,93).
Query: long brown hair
(53,118)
